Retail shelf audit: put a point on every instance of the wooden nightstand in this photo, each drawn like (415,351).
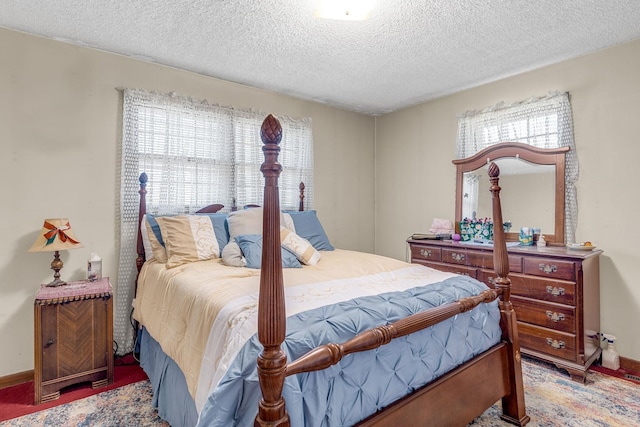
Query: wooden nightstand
(73,337)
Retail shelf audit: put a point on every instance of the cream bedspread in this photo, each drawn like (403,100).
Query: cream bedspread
(179,306)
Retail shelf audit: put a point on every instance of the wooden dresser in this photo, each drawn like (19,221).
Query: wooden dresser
(555,292)
(73,337)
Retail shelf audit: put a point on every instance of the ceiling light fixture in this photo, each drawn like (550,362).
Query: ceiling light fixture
(349,10)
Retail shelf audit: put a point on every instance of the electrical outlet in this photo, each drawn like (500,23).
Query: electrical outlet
(632,377)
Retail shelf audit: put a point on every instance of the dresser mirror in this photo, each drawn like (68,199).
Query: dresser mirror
(533,188)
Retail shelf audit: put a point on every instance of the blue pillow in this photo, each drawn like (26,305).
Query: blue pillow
(308,226)
(251,247)
(219,221)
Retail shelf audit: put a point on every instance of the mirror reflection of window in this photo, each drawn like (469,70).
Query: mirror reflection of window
(470,199)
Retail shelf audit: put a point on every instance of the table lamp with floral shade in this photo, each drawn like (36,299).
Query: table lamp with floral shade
(56,235)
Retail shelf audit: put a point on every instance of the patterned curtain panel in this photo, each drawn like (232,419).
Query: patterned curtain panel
(544,122)
(195,154)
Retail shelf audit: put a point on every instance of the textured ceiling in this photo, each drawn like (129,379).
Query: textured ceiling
(407,51)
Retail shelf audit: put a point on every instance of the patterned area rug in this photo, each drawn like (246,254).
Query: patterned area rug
(126,406)
(552,399)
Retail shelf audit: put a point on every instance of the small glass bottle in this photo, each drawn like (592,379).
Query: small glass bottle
(94,267)
(541,241)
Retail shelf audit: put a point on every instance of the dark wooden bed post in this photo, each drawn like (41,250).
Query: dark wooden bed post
(272,361)
(513,407)
(142,209)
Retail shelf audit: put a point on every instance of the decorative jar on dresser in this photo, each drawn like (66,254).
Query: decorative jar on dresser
(73,337)
(555,292)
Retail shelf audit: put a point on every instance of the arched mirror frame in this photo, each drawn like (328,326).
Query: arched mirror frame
(540,156)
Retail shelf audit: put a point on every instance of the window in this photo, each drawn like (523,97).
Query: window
(544,122)
(196,154)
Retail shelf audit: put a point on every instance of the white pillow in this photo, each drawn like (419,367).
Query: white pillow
(246,221)
(303,250)
(232,255)
(287,222)
(249,221)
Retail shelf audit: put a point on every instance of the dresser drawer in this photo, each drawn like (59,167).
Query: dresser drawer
(485,260)
(479,259)
(556,291)
(456,256)
(426,253)
(549,267)
(552,316)
(451,268)
(548,341)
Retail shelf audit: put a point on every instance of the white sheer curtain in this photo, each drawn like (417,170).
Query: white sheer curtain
(545,122)
(195,154)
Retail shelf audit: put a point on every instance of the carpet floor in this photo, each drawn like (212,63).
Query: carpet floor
(18,400)
(551,397)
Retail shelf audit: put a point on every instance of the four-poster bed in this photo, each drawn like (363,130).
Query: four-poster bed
(426,308)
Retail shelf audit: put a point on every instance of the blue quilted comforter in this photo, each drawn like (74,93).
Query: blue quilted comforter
(365,382)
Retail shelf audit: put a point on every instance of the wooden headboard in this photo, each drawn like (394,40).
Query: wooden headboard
(213,208)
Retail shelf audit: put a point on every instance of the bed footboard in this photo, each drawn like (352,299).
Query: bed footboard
(330,354)
(467,392)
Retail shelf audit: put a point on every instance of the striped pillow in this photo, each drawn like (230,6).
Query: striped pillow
(157,246)
(189,238)
(301,247)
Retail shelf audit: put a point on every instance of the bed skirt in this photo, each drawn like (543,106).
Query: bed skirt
(170,393)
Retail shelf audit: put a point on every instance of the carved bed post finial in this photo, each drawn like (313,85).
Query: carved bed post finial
(301,207)
(272,361)
(513,407)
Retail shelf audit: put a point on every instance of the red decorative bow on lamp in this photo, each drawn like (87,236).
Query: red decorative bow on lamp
(58,231)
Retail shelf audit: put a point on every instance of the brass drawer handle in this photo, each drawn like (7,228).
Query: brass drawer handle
(457,257)
(425,253)
(49,343)
(548,268)
(555,291)
(555,343)
(556,317)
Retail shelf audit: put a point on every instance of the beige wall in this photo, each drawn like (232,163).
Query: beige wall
(416,181)
(60,127)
